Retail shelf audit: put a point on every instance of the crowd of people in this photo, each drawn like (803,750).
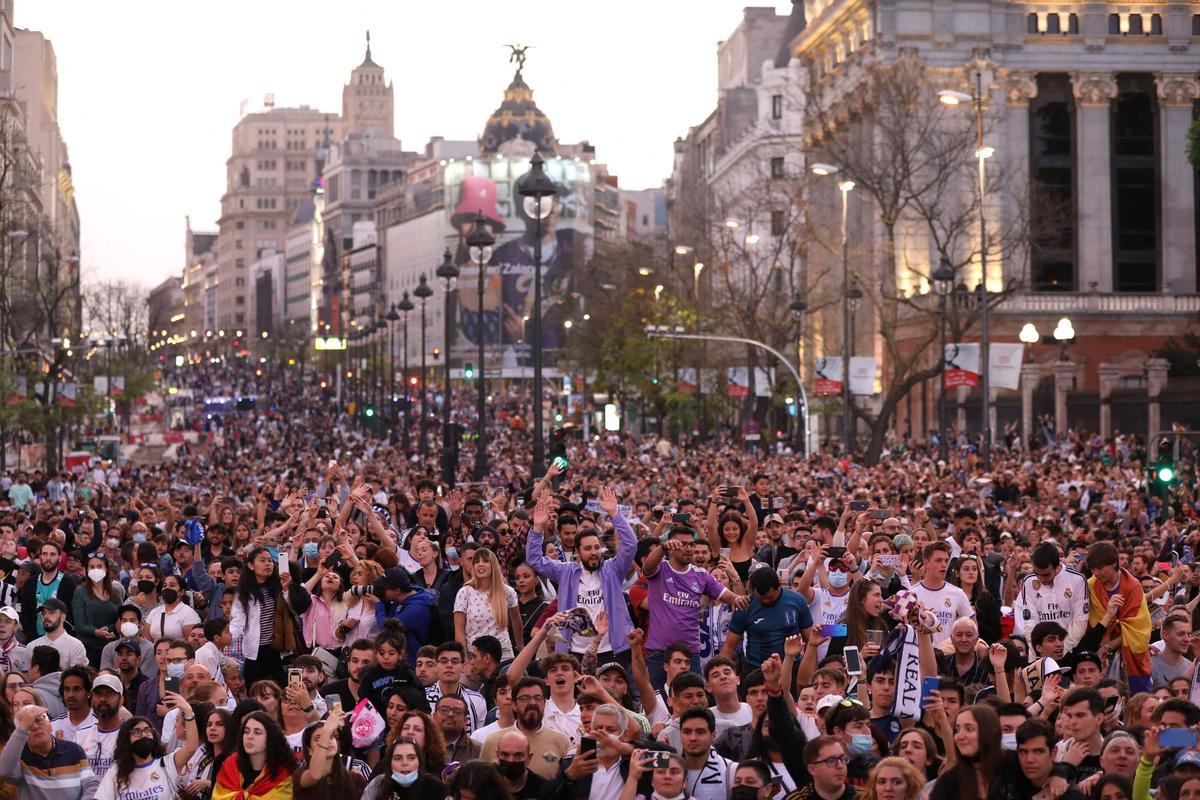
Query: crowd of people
(302,608)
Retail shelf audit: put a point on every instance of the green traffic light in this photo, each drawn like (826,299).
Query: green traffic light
(370,412)
(1166,474)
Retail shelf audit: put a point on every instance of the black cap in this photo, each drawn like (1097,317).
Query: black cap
(53,604)
(397,578)
(128,644)
(1087,655)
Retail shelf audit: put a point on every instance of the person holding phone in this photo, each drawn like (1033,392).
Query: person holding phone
(262,588)
(328,607)
(667,773)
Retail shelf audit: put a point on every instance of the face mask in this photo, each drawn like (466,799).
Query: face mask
(838,579)
(310,549)
(743,793)
(113,544)
(97,575)
(176,670)
(170,595)
(511,769)
(861,743)
(139,537)
(404,778)
(145,587)
(129,629)
(142,748)
(1008,741)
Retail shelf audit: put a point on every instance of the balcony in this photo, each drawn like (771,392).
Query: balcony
(1094,303)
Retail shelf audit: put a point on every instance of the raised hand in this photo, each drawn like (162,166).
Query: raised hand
(608,501)
(772,670)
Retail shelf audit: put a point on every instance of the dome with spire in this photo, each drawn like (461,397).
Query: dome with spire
(518,117)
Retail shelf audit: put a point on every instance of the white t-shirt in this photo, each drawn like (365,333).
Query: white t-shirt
(169,625)
(947,604)
(99,745)
(63,728)
(477,608)
(827,609)
(71,651)
(151,781)
(209,656)
(743,716)
(590,598)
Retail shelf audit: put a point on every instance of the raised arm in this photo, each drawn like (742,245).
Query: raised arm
(641,675)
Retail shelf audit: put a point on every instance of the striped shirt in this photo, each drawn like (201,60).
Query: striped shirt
(62,774)
(267,600)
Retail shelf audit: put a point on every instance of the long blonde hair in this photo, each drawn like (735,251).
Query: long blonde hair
(497,595)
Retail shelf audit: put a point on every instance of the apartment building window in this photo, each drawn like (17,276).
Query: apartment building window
(1052,179)
(240,263)
(1135,220)
(240,318)
(776,106)
(240,300)
(778,223)
(239,281)
(777,167)
(237,244)
(239,225)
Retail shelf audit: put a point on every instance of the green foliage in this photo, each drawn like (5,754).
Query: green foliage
(1193,144)
(1183,353)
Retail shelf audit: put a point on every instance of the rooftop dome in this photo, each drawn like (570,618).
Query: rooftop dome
(518,117)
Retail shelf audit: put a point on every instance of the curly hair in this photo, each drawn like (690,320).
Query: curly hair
(279,752)
(435,742)
(123,758)
(913,779)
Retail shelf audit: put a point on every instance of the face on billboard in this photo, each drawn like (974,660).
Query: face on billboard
(489,187)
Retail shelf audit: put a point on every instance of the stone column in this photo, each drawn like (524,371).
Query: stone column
(1093,177)
(1031,375)
(1019,89)
(1109,373)
(1176,94)
(1156,381)
(1064,382)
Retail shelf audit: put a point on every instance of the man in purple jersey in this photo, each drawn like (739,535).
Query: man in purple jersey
(675,592)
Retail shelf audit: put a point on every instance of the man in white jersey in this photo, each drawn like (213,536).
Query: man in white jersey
(99,742)
(836,577)
(946,601)
(1053,593)
(709,775)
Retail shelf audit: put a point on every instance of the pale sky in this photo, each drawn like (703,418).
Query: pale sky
(149,91)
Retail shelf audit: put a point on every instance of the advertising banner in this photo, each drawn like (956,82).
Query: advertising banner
(66,394)
(1004,365)
(17,393)
(961,366)
(504,317)
(828,375)
(739,382)
(862,375)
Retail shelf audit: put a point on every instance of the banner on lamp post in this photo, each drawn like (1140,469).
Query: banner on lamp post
(828,375)
(686,383)
(118,386)
(1004,365)
(862,375)
(961,365)
(100,385)
(739,382)
(66,394)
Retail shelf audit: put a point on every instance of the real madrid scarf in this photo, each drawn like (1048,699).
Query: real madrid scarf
(902,646)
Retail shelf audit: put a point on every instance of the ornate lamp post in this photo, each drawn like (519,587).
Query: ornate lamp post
(943,282)
(404,306)
(447,271)
(480,241)
(392,318)
(798,306)
(537,188)
(423,293)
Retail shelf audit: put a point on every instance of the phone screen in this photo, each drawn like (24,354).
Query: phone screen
(859,505)
(171,685)
(929,686)
(853,660)
(587,743)
(1175,738)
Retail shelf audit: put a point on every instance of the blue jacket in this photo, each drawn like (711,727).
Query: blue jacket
(416,612)
(612,573)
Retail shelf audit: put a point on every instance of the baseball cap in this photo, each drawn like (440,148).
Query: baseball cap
(611,666)
(828,701)
(11,613)
(53,604)
(1088,656)
(773,518)
(128,644)
(1188,758)
(397,578)
(108,682)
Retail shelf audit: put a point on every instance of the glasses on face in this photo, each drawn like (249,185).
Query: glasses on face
(141,732)
(531,698)
(833,761)
(181,660)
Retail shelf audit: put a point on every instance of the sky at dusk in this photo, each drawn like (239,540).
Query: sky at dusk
(149,91)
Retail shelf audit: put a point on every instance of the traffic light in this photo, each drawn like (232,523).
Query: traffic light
(468,371)
(369,412)
(1163,472)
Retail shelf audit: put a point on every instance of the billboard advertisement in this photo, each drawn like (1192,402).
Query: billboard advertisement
(488,186)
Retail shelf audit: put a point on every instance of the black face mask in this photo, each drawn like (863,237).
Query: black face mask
(510,769)
(743,793)
(169,595)
(145,587)
(143,748)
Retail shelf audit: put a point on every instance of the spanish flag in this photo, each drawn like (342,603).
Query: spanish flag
(265,787)
(1133,622)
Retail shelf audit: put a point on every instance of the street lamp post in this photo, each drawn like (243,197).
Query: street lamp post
(536,187)
(844,187)
(798,306)
(943,281)
(392,318)
(423,292)
(380,341)
(448,271)
(404,306)
(480,241)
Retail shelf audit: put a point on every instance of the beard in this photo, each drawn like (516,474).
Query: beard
(531,720)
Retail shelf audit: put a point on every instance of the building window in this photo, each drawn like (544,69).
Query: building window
(1195,24)
(1135,184)
(777,167)
(776,106)
(778,224)
(1031,23)
(1156,24)
(1114,24)
(1051,189)
(239,281)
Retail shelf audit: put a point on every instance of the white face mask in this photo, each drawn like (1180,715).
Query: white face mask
(97,574)
(129,629)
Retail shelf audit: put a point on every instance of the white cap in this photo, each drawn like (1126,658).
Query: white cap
(828,701)
(108,682)
(11,613)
